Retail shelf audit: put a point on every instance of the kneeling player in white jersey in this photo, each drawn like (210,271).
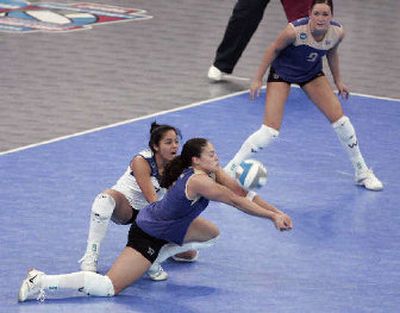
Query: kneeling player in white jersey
(135,189)
(296,57)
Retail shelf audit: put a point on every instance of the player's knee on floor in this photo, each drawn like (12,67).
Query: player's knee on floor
(98,285)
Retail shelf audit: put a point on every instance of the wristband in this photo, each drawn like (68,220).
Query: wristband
(250,195)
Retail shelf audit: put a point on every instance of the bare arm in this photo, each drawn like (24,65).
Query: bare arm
(202,185)
(227,181)
(267,206)
(142,172)
(333,62)
(284,39)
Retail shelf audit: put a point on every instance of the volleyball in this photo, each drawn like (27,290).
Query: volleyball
(251,174)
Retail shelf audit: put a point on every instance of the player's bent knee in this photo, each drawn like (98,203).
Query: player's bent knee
(103,206)
(98,285)
(212,241)
(214,231)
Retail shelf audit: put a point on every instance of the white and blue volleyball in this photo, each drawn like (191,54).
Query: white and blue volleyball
(251,174)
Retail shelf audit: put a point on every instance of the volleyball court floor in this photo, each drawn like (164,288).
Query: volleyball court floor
(342,255)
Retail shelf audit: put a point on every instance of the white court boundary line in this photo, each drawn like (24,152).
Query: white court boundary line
(362,95)
(373,97)
(157,114)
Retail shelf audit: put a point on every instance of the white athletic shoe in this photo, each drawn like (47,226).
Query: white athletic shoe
(30,287)
(157,273)
(215,74)
(89,262)
(369,180)
(179,259)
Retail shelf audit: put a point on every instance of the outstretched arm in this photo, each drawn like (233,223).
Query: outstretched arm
(202,185)
(227,181)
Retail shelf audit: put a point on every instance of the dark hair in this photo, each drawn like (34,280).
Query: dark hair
(157,132)
(327,2)
(192,148)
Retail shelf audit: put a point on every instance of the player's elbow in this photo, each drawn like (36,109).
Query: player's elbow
(239,190)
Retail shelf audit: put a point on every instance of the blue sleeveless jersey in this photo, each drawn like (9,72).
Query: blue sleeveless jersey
(170,217)
(302,60)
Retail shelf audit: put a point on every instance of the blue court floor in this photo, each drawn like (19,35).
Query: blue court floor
(343,255)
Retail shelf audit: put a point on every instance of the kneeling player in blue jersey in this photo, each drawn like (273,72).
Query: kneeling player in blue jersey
(166,227)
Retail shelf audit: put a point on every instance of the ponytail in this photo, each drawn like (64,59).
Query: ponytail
(172,171)
(174,168)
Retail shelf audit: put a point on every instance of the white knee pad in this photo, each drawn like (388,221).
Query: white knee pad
(262,137)
(97,285)
(345,131)
(103,207)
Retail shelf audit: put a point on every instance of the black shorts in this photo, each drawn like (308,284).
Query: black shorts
(133,218)
(274,77)
(146,245)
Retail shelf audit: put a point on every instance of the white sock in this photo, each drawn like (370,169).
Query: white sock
(171,249)
(255,142)
(65,281)
(87,282)
(347,136)
(102,210)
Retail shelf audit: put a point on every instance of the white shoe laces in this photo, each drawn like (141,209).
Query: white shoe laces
(41,296)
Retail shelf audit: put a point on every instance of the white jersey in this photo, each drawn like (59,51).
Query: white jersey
(128,186)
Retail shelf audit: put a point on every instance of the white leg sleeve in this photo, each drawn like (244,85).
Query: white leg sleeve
(171,249)
(255,142)
(87,282)
(102,210)
(347,136)
(63,281)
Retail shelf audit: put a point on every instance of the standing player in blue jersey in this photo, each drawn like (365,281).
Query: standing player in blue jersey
(296,57)
(166,227)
